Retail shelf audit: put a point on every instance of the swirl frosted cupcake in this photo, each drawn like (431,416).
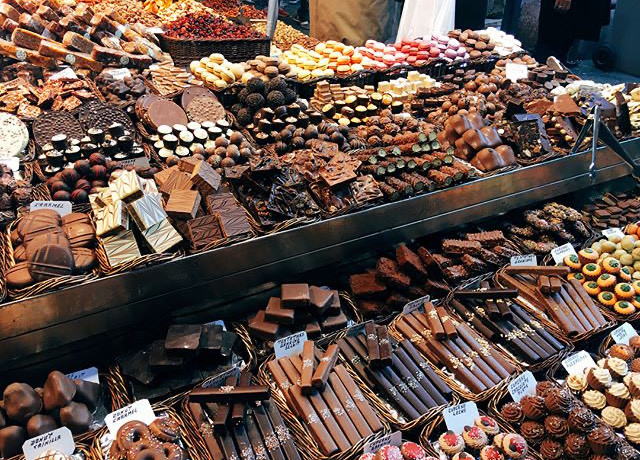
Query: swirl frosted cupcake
(534,407)
(599,378)
(581,420)
(559,401)
(556,427)
(614,417)
(632,433)
(512,412)
(602,440)
(617,367)
(577,382)
(634,385)
(451,443)
(576,446)
(514,446)
(545,386)
(618,395)
(551,450)
(533,432)
(632,410)
(487,424)
(594,399)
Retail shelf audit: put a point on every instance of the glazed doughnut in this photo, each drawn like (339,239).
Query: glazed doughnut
(115,453)
(165,429)
(151,454)
(130,433)
(172,451)
(141,445)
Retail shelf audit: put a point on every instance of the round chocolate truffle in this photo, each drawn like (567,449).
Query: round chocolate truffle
(40,424)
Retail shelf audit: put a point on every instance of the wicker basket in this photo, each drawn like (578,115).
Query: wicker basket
(185,51)
(307,445)
(450,379)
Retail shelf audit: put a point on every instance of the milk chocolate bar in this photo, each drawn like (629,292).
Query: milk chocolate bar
(384,345)
(183,204)
(327,362)
(26,39)
(320,299)
(373,350)
(204,230)
(308,365)
(162,237)
(230,394)
(78,42)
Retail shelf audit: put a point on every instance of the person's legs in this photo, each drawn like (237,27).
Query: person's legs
(511,16)
(555,33)
(302,15)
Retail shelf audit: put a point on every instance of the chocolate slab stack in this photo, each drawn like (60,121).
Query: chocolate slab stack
(300,307)
(187,354)
(474,361)
(493,314)
(396,369)
(233,430)
(335,413)
(612,211)
(569,306)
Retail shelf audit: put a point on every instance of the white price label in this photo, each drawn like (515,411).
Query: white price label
(457,417)
(119,74)
(219,379)
(155,30)
(523,385)
(140,162)
(90,375)
(139,410)
(65,74)
(577,363)
(60,440)
(527,259)
(290,345)
(13,163)
(61,207)
(561,252)
(415,304)
(393,439)
(515,72)
(613,232)
(622,334)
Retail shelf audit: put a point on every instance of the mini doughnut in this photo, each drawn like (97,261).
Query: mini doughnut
(151,454)
(130,433)
(165,429)
(624,308)
(141,445)
(172,451)
(115,453)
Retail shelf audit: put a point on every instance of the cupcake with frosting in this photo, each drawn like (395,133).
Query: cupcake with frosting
(632,410)
(533,432)
(581,420)
(617,367)
(577,382)
(451,443)
(594,399)
(602,440)
(559,401)
(514,446)
(556,427)
(634,343)
(618,395)
(487,424)
(614,417)
(412,451)
(551,450)
(544,386)
(635,365)
(534,407)
(634,385)
(622,351)
(491,453)
(599,378)
(632,433)
(463,456)
(512,412)
(576,446)
(474,437)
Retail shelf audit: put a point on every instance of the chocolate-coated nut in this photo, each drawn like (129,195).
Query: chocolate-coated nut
(76,417)
(21,402)
(87,393)
(40,424)
(11,440)
(59,390)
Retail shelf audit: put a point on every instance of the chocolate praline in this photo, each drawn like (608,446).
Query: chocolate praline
(11,440)
(21,402)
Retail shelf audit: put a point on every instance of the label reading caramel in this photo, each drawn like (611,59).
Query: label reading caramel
(290,345)
(457,417)
(577,363)
(561,252)
(524,260)
(622,334)
(139,410)
(415,304)
(613,232)
(393,439)
(61,207)
(60,440)
(90,375)
(523,385)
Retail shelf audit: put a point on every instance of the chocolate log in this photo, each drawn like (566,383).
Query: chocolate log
(385,345)
(486,293)
(419,376)
(253,434)
(424,366)
(212,445)
(498,362)
(230,394)
(307,367)
(449,328)
(349,405)
(363,405)
(282,431)
(219,421)
(437,329)
(244,445)
(237,410)
(537,270)
(373,349)
(578,291)
(268,433)
(328,360)
(487,331)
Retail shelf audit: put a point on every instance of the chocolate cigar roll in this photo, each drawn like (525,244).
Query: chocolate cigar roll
(571,308)
(384,345)
(237,410)
(327,361)
(491,307)
(230,395)
(402,388)
(373,349)
(336,408)
(318,404)
(578,291)
(467,334)
(255,438)
(411,382)
(228,446)
(486,294)
(555,283)
(456,367)
(420,376)
(522,318)
(504,309)
(362,404)
(563,318)
(524,345)
(381,380)
(474,362)
(544,284)
(581,311)
(349,405)
(415,356)
(288,446)
(268,433)
(211,443)
(304,409)
(410,327)
(219,421)
(449,328)
(472,317)
(437,329)
(537,270)
(307,367)
(242,441)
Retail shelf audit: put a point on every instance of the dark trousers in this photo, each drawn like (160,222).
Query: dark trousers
(471,14)
(511,16)
(303,10)
(556,32)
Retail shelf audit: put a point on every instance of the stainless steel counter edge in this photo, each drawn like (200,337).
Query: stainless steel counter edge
(195,282)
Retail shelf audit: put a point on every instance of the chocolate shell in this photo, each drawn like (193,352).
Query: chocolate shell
(21,402)
(59,390)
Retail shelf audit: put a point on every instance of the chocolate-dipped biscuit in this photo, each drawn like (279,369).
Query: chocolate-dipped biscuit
(11,440)
(21,402)
(87,393)
(40,424)
(76,417)
(59,390)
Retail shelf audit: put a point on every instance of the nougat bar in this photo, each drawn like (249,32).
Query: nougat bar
(461,246)
(26,39)
(487,239)
(78,42)
(32,57)
(31,23)
(9,12)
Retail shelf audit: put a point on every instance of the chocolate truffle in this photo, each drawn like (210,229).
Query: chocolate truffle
(21,402)
(11,440)
(59,390)
(40,424)
(87,393)
(76,417)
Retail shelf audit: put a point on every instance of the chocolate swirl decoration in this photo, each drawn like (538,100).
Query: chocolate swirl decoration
(576,446)
(556,427)
(559,401)
(533,432)
(513,413)
(551,450)
(534,407)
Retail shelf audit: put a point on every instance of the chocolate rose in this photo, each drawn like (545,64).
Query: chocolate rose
(556,427)
(559,401)
(581,420)
(577,447)
(534,407)
(533,432)
(513,413)
(551,450)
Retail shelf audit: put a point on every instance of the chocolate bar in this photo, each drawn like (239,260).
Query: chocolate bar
(282,431)
(327,362)
(162,237)
(486,293)
(263,329)
(384,345)
(435,324)
(219,421)
(238,409)
(373,350)
(320,298)
(183,339)
(229,394)
(308,364)
(204,230)
(447,324)
(561,270)
(268,433)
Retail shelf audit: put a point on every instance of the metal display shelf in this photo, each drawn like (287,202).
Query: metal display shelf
(50,325)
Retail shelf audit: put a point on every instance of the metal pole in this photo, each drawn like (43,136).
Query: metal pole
(594,143)
(272,17)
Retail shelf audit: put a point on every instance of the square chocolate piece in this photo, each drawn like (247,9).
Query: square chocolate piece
(205,178)
(234,222)
(295,295)
(263,329)
(127,187)
(274,312)
(219,202)
(204,230)
(211,341)
(183,204)
(320,299)
(147,211)
(313,330)
(183,339)
(177,180)
(121,248)
(162,237)
(159,359)
(334,323)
